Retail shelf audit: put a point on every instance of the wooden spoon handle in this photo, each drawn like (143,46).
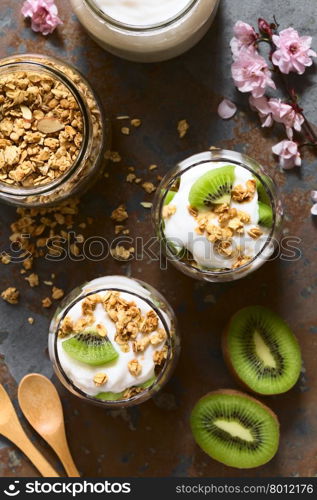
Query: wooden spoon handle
(67,461)
(22,441)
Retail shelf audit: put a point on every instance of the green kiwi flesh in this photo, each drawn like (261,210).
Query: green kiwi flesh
(116,396)
(90,348)
(235,429)
(262,351)
(263,195)
(169,197)
(213,187)
(265,215)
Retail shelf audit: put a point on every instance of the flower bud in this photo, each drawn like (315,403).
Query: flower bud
(265,27)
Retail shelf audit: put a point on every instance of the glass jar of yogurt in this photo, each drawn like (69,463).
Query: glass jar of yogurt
(53,133)
(146,30)
(218,216)
(114,342)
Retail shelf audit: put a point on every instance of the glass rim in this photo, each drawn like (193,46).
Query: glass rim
(140,28)
(80,392)
(216,154)
(39,65)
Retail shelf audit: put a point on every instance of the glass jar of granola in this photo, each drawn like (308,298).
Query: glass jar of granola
(52,131)
(218,216)
(114,342)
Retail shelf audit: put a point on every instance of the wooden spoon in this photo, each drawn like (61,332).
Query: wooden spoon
(11,428)
(42,407)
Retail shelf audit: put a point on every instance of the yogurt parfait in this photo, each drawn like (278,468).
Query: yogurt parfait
(113,341)
(218,215)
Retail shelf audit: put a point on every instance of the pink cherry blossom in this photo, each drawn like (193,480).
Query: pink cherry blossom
(293,51)
(261,105)
(250,73)
(244,36)
(43,14)
(227,109)
(286,114)
(288,153)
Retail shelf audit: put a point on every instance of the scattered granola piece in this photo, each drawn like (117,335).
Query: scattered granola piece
(146,204)
(102,330)
(148,187)
(125,130)
(11,295)
(130,177)
(46,302)
(66,327)
(241,193)
(136,122)
(113,156)
(33,280)
(153,167)
(182,128)
(5,258)
(122,253)
(241,261)
(160,356)
(57,293)
(134,367)
(118,229)
(31,321)
(119,214)
(100,379)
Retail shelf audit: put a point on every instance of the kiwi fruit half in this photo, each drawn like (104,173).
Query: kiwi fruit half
(265,214)
(115,396)
(262,351)
(235,429)
(90,348)
(213,187)
(169,196)
(263,195)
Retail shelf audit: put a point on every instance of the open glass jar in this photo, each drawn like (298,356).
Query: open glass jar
(114,341)
(52,132)
(161,30)
(218,216)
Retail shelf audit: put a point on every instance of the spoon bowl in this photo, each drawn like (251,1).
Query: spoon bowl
(42,407)
(11,428)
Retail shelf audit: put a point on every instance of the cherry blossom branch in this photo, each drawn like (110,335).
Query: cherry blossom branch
(251,74)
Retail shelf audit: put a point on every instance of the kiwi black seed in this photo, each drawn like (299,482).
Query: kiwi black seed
(262,351)
(90,348)
(235,429)
(213,187)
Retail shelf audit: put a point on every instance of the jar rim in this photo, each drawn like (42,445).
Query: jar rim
(38,62)
(214,155)
(140,28)
(82,393)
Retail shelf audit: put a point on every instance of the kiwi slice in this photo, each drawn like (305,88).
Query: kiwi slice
(262,192)
(169,196)
(265,214)
(235,429)
(213,187)
(90,348)
(115,396)
(262,351)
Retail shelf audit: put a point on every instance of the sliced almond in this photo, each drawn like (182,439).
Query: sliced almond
(26,112)
(49,125)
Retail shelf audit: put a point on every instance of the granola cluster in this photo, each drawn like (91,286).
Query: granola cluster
(134,331)
(41,128)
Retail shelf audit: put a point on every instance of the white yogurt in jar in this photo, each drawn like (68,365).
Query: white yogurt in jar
(142,12)
(119,377)
(180,228)
(146,30)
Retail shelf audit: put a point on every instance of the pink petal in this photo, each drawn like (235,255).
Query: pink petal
(313,195)
(313,209)
(227,109)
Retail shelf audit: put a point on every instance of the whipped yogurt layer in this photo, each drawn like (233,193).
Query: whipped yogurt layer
(220,236)
(142,12)
(125,323)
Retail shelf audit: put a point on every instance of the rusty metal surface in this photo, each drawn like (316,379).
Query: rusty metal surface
(154,439)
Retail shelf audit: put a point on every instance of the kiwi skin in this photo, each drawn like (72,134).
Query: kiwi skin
(227,359)
(234,392)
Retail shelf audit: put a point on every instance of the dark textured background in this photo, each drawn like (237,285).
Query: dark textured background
(154,439)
